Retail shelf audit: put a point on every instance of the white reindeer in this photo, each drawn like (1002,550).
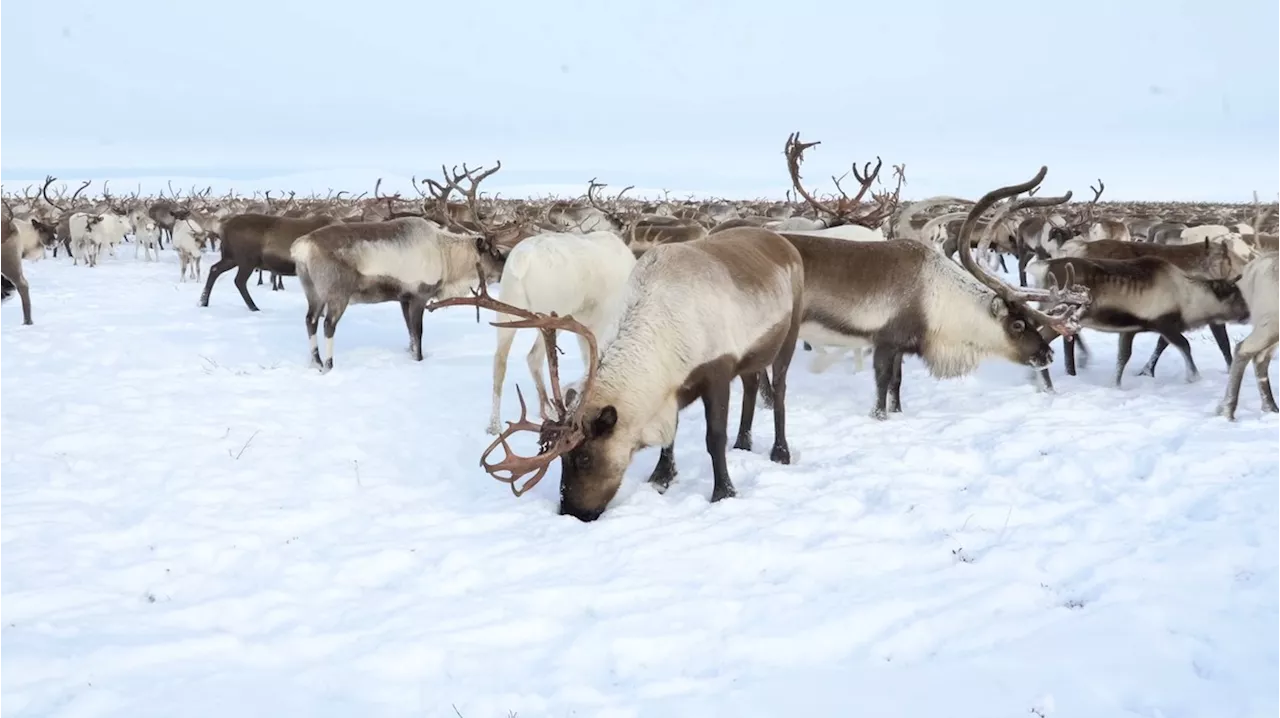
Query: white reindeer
(189,241)
(579,275)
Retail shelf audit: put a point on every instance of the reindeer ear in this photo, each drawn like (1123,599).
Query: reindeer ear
(999,309)
(604,422)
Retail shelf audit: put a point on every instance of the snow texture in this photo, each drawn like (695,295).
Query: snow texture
(196,523)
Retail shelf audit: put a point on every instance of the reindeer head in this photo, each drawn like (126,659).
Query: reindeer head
(1012,306)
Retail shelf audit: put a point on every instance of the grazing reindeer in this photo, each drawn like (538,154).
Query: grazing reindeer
(582,275)
(410,260)
(1146,294)
(696,315)
(905,298)
(1259,287)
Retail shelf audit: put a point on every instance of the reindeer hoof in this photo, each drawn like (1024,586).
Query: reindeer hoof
(661,479)
(723,492)
(879,414)
(1147,371)
(27,322)
(1226,412)
(780,454)
(743,443)
(1193,378)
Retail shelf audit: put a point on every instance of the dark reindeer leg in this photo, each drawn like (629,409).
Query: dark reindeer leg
(715,403)
(665,471)
(242,284)
(1219,332)
(750,386)
(781,451)
(215,271)
(413,319)
(259,276)
(1123,353)
(1149,369)
(1069,355)
(895,387)
(1180,343)
(882,360)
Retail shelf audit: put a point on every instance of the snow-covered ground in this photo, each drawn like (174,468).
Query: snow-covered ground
(195,523)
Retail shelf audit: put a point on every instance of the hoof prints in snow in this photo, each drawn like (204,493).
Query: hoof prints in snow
(992,550)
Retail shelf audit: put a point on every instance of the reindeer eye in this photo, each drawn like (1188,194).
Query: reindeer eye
(1018,326)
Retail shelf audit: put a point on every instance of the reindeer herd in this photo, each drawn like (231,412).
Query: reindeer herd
(671,300)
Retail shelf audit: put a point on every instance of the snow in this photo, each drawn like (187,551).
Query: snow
(196,523)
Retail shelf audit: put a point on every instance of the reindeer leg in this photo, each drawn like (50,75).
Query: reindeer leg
(1219,332)
(331,318)
(1182,345)
(665,470)
(1261,363)
(750,387)
(1069,355)
(1122,356)
(1149,369)
(413,309)
(895,387)
(715,404)
(882,361)
(242,284)
(24,294)
(215,271)
(537,354)
(314,309)
(259,276)
(781,451)
(506,336)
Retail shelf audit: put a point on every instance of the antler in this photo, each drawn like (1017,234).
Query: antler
(843,210)
(44,192)
(1067,304)
(556,436)
(613,212)
(1087,213)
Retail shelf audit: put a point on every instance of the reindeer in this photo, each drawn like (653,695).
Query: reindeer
(844,212)
(411,260)
(1146,294)
(11,254)
(1211,260)
(257,241)
(904,298)
(1258,285)
(190,241)
(643,232)
(567,274)
(696,315)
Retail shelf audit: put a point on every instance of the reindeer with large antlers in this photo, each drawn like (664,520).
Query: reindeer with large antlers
(696,315)
(409,260)
(846,211)
(902,298)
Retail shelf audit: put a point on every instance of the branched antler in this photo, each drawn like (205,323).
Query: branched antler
(844,211)
(556,435)
(613,210)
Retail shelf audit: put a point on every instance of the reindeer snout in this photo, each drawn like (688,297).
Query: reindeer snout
(584,515)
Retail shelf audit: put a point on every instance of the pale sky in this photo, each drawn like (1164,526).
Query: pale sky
(1163,100)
